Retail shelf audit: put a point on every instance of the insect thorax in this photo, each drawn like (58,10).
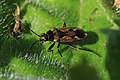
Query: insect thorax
(47,36)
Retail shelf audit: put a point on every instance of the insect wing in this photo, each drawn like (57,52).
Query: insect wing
(68,34)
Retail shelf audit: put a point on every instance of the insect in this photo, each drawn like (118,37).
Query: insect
(18,24)
(62,35)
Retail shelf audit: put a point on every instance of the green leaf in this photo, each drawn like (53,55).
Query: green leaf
(19,61)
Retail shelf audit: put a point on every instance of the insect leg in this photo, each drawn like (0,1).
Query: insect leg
(50,48)
(58,46)
(63,24)
(86,49)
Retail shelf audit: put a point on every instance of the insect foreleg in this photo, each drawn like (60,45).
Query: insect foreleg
(58,48)
(50,48)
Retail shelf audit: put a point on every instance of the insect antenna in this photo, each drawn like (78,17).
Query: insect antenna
(35,41)
(34,32)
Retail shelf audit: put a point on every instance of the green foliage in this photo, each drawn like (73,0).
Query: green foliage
(18,61)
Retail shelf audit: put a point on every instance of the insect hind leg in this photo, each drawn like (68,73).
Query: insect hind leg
(83,49)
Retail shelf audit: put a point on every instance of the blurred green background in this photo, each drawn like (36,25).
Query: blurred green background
(98,18)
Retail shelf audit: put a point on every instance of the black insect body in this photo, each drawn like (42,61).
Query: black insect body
(62,35)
